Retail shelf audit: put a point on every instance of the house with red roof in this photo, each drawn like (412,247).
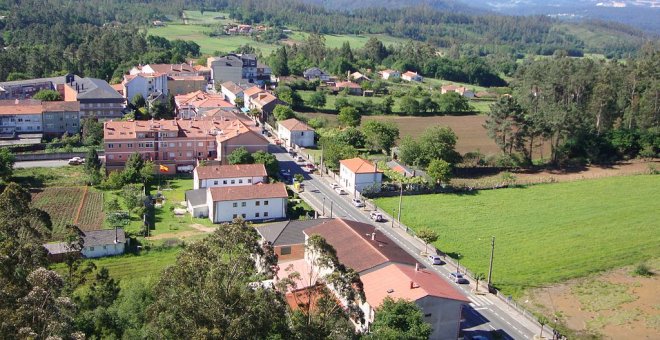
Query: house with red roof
(210,176)
(411,76)
(356,174)
(257,202)
(351,87)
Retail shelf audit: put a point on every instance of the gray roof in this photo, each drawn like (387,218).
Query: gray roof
(314,71)
(196,197)
(58,248)
(93,238)
(287,232)
(88,88)
(409,172)
(229,60)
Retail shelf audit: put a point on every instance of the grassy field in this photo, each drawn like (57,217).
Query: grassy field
(544,233)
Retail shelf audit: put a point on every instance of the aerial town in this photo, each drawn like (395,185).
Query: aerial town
(225,170)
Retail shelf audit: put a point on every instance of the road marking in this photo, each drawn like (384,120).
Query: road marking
(474,301)
(480,308)
(491,326)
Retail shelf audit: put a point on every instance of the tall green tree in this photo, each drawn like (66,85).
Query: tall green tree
(283,112)
(269,161)
(207,293)
(7,160)
(349,116)
(240,156)
(428,236)
(317,99)
(92,131)
(93,166)
(380,135)
(132,172)
(439,142)
(506,125)
(279,62)
(399,319)
(47,96)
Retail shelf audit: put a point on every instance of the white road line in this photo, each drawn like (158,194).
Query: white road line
(474,301)
(491,326)
(481,308)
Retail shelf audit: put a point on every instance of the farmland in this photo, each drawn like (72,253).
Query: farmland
(80,206)
(544,233)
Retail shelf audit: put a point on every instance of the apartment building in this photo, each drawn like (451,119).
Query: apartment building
(197,104)
(174,79)
(253,202)
(177,143)
(239,68)
(33,116)
(211,176)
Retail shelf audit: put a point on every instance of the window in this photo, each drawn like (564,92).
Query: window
(235,205)
(286,250)
(91,248)
(215,182)
(257,203)
(111,146)
(129,145)
(243,215)
(224,181)
(233,181)
(119,145)
(256,214)
(243,204)
(172,145)
(240,181)
(200,144)
(234,216)
(266,214)
(188,154)
(172,154)
(189,144)
(428,315)
(111,156)
(104,247)
(265,202)
(249,180)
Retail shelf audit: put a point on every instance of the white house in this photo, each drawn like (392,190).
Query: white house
(387,74)
(107,242)
(231,91)
(411,76)
(252,202)
(211,176)
(295,132)
(19,117)
(145,84)
(316,73)
(355,174)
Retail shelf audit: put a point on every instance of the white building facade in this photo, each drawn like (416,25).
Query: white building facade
(229,175)
(251,203)
(294,132)
(356,174)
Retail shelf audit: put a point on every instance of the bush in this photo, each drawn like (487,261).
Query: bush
(642,270)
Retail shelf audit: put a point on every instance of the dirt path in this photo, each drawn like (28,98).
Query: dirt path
(202,228)
(199,229)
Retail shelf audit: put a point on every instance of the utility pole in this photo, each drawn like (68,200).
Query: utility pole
(323,206)
(400,199)
(331,204)
(492,253)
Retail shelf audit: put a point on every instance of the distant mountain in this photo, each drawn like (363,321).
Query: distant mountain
(641,14)
(444,5)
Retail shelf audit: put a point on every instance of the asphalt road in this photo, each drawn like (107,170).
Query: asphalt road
(484,315)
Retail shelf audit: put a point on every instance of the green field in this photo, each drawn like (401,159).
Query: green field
(544,233)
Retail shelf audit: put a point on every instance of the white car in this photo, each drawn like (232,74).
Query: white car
(340,191)
(376,216)
(334,185)
(435,259)
(76,161)
(357,203)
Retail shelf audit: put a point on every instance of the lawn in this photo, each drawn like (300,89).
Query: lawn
(544,233)
(208,44)
(50,177)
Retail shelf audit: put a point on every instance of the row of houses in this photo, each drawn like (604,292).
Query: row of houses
(37,117)
(385,269)
(179,143)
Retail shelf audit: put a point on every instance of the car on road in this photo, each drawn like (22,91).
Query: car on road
(76,161)
(458,278)
(357,203)
(334,185)
(299,159)
(340,191)
(435,259)
(376,216)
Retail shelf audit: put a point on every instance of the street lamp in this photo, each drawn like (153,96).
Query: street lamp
(492,254)
(458,263)
(323,207)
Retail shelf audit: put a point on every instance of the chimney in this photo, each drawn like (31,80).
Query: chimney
(416,266)
(16,101)
(373,236)
(412,285)
(116,235)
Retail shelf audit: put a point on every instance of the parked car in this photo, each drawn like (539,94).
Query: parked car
(376,216)
(76,161)
(358,203)
(299,159)
(334,185)
(310,166)
(340,191)
(458,278)
(435,259)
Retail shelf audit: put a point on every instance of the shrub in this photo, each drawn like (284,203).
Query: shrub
(642,270)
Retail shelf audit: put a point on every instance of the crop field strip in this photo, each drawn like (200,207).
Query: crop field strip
(70,205)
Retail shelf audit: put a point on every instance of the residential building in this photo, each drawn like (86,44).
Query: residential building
(356,174)
(33,116)
(390,74)
(287,237)
(251,93)
(462,90)
(211,176)
(253,202)
(239,68)
(295,133)
(96,97)
(401,168)
(265,103)
(411,76)
(231,91)
(316,73)
(176,79)
(177,143)
(146,84)
(61,117)
(197,104)
(351,87)
(357,77)
(387,270)
(96,243)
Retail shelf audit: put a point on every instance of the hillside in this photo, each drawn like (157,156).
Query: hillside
(444,5)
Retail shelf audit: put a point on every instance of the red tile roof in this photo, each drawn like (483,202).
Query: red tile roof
(231,171)
(348,84)
(252,91)
(61,106)
(354,246)
(295,125)
(30,109)
(220,128)
(358,165)
(248,192)
(404,282)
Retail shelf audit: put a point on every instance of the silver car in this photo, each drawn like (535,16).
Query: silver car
(357,203)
